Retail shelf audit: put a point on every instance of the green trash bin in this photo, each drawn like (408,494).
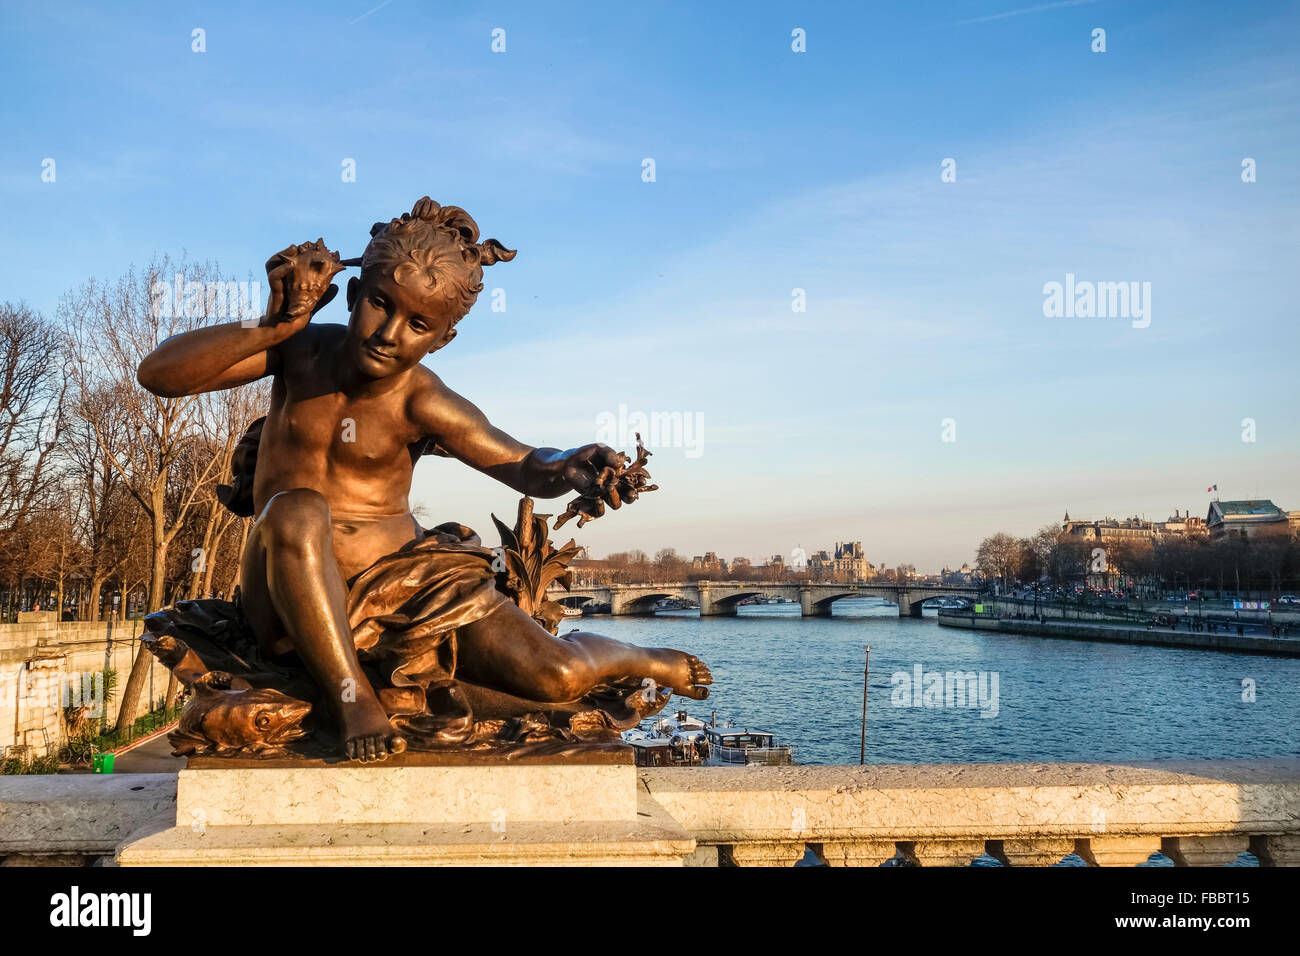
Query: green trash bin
(102,763)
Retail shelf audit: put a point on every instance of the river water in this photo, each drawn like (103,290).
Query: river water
(1055,700)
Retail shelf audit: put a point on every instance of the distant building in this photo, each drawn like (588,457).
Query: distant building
(1103,534)
(1248,519)
(1182,524)
(963,575)
(847,563)
(585,571)
(1109,530)
(708,563)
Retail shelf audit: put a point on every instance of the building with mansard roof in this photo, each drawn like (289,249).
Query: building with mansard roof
(1249,519)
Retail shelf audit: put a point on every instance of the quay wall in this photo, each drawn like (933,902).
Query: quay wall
(1217,610)
(1158,637)
(40,659)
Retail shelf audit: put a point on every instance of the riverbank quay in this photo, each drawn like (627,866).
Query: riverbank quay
(1196,813)
(1122,633)
(1141,611)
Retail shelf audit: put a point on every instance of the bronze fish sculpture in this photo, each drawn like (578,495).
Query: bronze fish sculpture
(221,719)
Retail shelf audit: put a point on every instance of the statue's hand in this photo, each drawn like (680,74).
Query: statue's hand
(299,277)
(592,471)
(601,476)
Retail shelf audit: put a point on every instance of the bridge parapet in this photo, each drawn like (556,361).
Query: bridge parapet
(1197,813)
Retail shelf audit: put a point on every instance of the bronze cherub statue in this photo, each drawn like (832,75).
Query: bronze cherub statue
(406,637)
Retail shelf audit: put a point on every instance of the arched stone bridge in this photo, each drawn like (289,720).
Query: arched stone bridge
(717,598)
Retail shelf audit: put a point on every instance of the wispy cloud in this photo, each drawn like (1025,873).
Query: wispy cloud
(1024,10)
(370,11)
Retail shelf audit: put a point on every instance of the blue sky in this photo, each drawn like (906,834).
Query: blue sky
(775,170)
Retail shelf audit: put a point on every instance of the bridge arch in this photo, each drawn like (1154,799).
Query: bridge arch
(715,601)
(924,598)
(818,603)
(643,601)
(921,596)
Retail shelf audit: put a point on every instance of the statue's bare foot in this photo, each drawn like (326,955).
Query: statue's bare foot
(367,734)
(686,674)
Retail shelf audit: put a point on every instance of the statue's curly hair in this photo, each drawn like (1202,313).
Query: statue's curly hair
(442,243)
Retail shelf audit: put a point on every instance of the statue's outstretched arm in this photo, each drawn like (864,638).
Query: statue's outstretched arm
(460,427)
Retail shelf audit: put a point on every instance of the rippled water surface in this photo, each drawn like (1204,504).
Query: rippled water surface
(801,678)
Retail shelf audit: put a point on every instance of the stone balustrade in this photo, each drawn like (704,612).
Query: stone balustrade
(1202,813)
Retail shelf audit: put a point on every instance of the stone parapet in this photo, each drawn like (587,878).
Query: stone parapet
(1199,813)
(1027,814)
(81,817)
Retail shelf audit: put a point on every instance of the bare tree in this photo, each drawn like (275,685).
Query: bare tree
(32,391)
(999,556)
(112,328)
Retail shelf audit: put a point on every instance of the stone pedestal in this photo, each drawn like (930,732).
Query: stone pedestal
(414,809)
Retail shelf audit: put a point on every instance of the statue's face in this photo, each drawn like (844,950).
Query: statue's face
(396,321)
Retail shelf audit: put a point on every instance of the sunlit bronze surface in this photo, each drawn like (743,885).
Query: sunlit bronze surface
(415,638)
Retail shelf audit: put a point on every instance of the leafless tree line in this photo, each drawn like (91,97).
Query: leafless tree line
(108,500)
(1189,562)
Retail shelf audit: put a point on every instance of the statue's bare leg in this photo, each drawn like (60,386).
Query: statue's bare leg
(511,652)
(293,592)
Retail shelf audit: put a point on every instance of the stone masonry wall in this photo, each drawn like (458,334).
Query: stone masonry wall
(44,665)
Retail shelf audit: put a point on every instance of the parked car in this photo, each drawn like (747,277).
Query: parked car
(1288,599)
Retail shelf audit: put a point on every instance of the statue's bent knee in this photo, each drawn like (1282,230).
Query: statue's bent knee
(295,514)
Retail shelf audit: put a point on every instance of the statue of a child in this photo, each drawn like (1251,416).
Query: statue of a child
(352,409)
